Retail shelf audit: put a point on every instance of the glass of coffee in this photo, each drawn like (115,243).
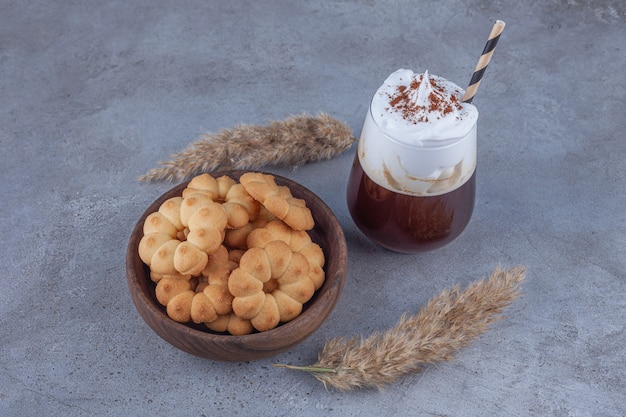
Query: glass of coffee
(413,183)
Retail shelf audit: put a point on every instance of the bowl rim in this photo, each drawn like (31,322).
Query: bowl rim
(331,289)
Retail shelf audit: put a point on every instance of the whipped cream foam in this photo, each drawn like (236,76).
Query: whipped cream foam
(413,108)
(418,137)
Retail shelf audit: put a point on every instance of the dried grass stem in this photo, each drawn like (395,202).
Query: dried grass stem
(291,142)
(448,323)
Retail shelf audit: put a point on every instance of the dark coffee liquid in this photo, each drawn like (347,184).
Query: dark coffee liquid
(406,223)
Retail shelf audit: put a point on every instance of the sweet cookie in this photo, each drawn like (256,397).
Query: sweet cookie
(298,241)
(240,207)
(270,285)
(278,200)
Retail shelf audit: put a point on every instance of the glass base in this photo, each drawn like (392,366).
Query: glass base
(404,223)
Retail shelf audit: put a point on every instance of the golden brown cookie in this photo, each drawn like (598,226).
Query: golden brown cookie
(169,287)
(149,244)
(205,220)
(179,307)
(298,241)
(232,324)
(278,200)
(162,261)
(270,281)
(189,259)
(240,207)
(171,210)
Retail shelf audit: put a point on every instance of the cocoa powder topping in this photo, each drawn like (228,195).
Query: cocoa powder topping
(403,101)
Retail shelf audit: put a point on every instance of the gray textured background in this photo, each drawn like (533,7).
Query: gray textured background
(94,93)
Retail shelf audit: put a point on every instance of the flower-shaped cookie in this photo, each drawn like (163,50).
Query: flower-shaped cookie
(298,241)
(270,285)
(278,200)
(240,207)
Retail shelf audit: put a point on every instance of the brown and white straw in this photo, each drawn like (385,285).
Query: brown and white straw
(483,61)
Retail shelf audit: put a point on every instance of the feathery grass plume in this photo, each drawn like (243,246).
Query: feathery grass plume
(448,323)
(293,141)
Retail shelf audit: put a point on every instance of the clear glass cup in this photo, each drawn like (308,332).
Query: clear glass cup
(424,207)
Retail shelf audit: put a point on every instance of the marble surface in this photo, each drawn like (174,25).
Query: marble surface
(94,94)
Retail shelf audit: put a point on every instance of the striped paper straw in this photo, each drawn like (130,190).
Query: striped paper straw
(481,66)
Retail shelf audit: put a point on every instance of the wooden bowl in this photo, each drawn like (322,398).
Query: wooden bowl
(200,341)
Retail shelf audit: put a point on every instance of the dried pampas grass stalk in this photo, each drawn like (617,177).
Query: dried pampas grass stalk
(293,141)
(448,323)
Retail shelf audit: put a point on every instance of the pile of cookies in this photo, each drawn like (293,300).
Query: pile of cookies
(235,256)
